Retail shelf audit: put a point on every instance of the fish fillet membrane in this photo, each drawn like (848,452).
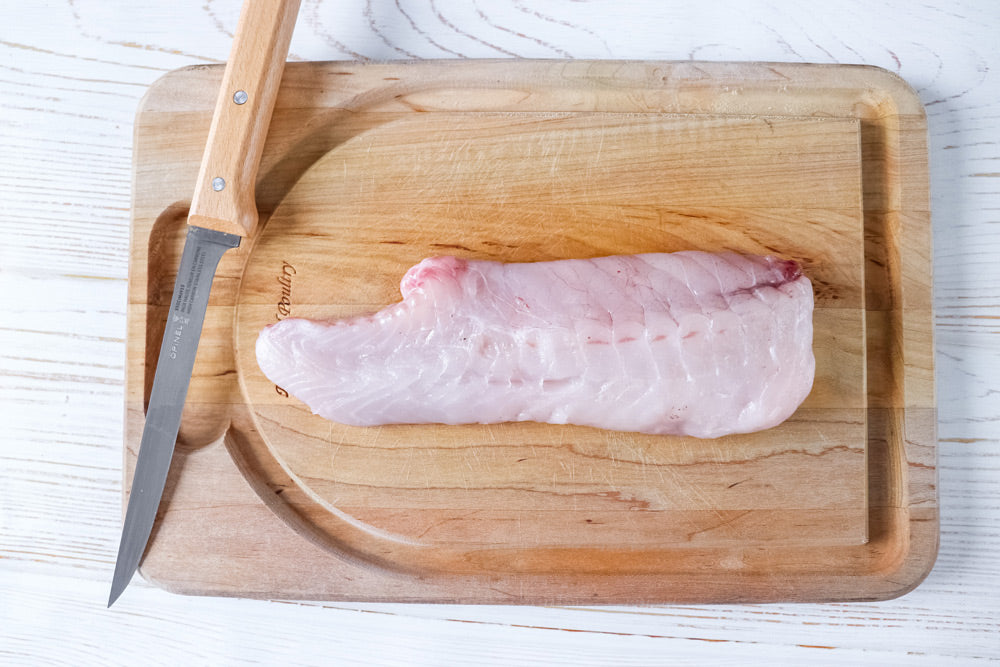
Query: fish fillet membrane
(687,343)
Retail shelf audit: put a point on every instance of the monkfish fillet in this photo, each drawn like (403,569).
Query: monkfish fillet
(688,343)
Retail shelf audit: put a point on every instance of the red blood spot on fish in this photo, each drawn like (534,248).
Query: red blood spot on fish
(789,269)
(433,270)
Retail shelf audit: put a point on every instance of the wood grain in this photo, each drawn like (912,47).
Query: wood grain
(73,75)
(421,168)
(472,184)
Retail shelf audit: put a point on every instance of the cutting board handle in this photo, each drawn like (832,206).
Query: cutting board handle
(224,197)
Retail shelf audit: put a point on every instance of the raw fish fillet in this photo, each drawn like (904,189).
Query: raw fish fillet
(687,343)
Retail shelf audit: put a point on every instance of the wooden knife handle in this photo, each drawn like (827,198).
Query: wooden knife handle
(224,197)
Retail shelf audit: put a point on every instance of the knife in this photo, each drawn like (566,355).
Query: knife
(223,210)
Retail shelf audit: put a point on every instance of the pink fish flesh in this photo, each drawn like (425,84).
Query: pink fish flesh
(688,343)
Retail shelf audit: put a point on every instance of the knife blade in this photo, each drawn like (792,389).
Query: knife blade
(223,210)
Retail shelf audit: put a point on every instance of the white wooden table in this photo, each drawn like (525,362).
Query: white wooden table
(71,75)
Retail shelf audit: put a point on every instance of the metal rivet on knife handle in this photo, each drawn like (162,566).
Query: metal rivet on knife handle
(240,97)
(218,184)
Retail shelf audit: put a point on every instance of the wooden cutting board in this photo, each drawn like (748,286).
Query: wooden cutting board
(370,168)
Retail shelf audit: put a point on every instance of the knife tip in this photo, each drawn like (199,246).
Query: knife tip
(116,592)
